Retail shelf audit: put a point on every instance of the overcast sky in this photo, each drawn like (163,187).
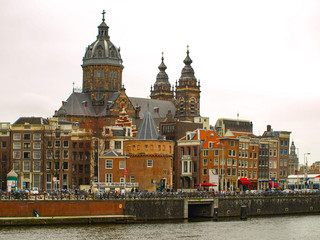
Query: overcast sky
(257,58)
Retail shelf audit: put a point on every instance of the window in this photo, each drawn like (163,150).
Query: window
(188,151)
(205,162)
(205,152)
(181,151)
(56,154)
(49,165)
(17,145)
(56,165)
(229,171)
(26,155)
(49,144)
(17,136)
(195,151)
(16,155)
(122,180)
(66,144)
(232,143)
(210,144)
(26,145)
(37,136)
(49,154)
(234,162)
(26,137)
(131,179)
(150,163)
(57,144)
(216,152)
(36,180)
(285,152)
(36,155)
(3,144)
(65,154)
(36,145)
(234,171)
(26,166)
(285,162)
(205,171)
(65,165)
(36,166)
(16,165)
(121,165)
(229,161)
(109,164)
(216,162)
(80,168)
(117,144)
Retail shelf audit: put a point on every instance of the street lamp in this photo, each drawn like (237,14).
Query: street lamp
(306,166)
(98,159)
(125,165)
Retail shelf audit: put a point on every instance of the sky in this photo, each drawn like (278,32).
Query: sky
(258,59)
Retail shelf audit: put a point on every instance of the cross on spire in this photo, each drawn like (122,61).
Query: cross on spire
(103,13)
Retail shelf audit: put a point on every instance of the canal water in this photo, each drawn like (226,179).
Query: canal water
(274,228)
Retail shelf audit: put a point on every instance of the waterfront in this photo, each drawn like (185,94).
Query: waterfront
(288,227)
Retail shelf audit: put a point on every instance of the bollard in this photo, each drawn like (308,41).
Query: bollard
(215,214)
(243,213)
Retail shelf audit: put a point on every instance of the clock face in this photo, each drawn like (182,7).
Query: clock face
(98,96)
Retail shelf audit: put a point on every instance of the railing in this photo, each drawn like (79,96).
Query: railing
(83,195)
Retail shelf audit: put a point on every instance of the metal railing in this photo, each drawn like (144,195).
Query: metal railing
(114,195)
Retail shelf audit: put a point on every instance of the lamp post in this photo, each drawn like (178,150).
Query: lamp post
(306,167)
(98,160)
(125,165)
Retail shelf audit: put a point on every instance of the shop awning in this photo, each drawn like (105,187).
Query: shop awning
(244,181)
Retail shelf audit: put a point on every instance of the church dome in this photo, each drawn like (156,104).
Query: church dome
(102,51)
(162,77)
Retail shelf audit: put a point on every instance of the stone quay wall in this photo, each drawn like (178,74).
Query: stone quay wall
(267,206)
(165,209)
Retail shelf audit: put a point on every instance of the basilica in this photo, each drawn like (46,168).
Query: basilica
(103,95)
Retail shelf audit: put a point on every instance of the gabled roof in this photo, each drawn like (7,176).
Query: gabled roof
(112,153)
(201,134)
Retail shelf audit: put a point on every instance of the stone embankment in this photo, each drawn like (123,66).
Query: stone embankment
(25,212)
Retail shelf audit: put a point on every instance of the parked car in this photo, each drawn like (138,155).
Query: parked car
(34,190)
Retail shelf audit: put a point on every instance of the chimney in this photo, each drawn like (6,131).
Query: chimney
(268,128)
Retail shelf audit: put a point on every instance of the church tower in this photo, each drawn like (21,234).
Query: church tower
(187,93)
(102,68)
(161,88)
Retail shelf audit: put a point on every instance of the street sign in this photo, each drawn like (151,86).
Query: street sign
(126,172)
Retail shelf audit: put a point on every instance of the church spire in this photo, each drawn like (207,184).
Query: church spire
(187,93)
(162,88)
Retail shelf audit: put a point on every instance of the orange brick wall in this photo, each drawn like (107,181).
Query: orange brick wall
(60,208)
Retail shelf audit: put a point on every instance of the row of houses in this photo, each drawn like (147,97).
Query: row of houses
(55,154)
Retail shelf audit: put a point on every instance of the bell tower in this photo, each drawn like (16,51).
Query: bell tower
(102,68)
(161,88)
(187,93)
